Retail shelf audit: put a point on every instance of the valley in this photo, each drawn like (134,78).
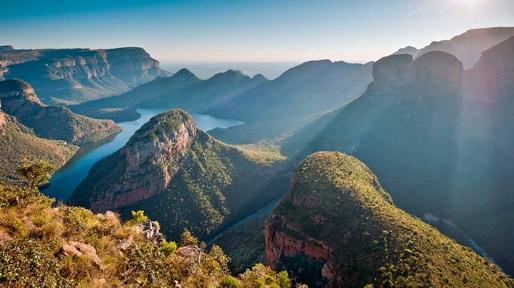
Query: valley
(299,145)
(67,178)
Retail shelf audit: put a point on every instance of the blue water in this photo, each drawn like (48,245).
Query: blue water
(66,179)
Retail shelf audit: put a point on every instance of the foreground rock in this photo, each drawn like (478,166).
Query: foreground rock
(337,227)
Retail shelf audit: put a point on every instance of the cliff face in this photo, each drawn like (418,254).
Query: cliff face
(337,227)
(20,100)
(75,75)
(180,176)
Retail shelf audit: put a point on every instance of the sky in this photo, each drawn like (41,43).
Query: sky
(246,31)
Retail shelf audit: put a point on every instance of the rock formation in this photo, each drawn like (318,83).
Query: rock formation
(76,75)
(180,176)
(337,227)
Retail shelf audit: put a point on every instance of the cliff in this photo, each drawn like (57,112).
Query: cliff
(76,75)
(19,99)
(337,227)
(181,176)
(439,139)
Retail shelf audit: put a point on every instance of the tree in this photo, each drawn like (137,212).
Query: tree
(187,238)
(36,173)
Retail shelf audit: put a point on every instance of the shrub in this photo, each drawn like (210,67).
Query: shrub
(168,248)
(138,217)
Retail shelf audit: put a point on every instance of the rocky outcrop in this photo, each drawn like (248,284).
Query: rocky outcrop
(180,176)
(151,231)
(149,157)
(76,75)
(337,227)
(19,99)
(82,250)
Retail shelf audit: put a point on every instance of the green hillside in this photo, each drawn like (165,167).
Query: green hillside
(337,227)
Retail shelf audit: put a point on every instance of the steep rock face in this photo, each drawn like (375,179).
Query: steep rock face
(440,144)
(180,176)
(75,75)
(337,227)
(20,100)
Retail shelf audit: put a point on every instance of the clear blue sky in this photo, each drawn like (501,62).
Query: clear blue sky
(239,31)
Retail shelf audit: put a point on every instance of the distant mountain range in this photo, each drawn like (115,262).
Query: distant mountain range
(269,108)
(468,46)
(66,76)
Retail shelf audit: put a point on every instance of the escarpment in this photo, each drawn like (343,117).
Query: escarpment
(67,76)
(337,227)
(19,99)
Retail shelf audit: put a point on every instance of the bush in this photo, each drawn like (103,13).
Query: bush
(168,248)
(138,217)
(230,282)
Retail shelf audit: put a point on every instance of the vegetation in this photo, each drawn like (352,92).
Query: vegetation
(48,245)
(19,145)
(210,184)
(336,200)
(36,173)
(51,122)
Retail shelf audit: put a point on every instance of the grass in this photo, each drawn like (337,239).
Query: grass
(33,229)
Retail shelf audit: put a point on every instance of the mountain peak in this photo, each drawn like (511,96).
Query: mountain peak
(184,73)
(230,74)
(165,125)
(259,77)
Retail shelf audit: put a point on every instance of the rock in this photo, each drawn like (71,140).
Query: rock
(74,248)
(77,75)
(151,230)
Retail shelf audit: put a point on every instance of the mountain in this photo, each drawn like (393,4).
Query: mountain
(68,76)
(19,144)
(438,138)
(19,99)
(337,227)
(181,177)
(468,46)
(269,108)
(407,50)
(118,108)
(284,103)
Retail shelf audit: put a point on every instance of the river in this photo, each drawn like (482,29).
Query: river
(67,178)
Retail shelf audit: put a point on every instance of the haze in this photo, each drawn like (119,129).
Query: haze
(244,31)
